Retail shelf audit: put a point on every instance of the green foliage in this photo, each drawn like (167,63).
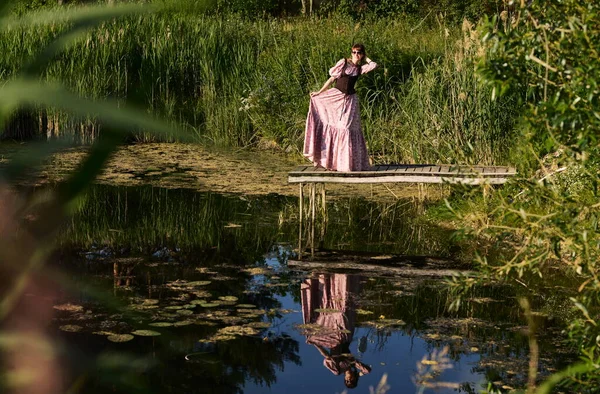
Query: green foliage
(452,10)
(238,82)
(25,246)
(546,55)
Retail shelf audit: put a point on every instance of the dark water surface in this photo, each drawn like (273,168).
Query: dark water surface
(205,285)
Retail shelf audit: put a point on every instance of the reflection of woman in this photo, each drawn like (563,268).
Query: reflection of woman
(328,301)
(334,138)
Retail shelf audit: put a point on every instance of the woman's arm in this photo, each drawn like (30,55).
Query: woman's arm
(370,65)
(325,86)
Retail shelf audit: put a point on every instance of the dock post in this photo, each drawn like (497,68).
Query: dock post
(300,219)
(323,216)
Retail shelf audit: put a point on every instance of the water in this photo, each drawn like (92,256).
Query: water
(235,315)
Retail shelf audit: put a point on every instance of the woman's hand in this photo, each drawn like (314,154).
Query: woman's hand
(312,94)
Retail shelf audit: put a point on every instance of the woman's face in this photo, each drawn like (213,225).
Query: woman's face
(357,55)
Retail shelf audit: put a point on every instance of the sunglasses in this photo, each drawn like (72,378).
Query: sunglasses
(357,52)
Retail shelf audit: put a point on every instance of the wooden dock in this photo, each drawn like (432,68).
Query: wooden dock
(406,173)
(395,173)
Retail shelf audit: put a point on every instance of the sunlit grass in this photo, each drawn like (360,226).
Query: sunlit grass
(236,82)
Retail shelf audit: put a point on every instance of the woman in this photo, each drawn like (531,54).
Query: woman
(328,301)
(334,138)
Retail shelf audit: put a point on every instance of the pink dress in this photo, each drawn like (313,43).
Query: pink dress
(334,293)
(333,137)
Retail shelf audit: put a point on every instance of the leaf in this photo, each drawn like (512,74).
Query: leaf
(120,338)
(245,306)
(185,312)
(146,333)
(68,307)
(71,328)
(199,283)
(161,324)
(209,304)
(229,298)
(183,323)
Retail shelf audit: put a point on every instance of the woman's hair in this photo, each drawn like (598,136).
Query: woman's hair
(361,47)
(351,379)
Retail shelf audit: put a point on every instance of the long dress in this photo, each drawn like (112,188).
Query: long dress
(333,137)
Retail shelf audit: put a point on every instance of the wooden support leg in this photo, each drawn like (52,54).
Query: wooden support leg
(323,216)
(300,219)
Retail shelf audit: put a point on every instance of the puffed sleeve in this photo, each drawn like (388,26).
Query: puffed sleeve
(365,68)
(336,71)
(362,368)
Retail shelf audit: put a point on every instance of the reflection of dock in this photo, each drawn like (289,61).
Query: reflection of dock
(373,263)
(396,173)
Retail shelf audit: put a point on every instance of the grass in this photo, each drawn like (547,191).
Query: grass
(236,82)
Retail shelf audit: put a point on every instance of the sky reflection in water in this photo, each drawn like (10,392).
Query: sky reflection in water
(375,325)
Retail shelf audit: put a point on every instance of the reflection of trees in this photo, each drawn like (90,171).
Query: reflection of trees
(147,218)
(225,367)
(488,320)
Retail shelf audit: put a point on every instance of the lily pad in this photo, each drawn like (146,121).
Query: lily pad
(185,312)
(69,307)
(385,323)
(174,307)
(146,333)
(205,323)
(120,338)
(245,306)
(363,312)
(161,324)
(150,301)
(183,323)
(209,304)
(104,333)
(238,330)
(71,328)
(257,271)
(231,319)
(147,307)
(199,283)
(216,338)
(252,311)
(201,293)
(228,298)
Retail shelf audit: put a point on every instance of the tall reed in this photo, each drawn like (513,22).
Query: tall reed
(237,82)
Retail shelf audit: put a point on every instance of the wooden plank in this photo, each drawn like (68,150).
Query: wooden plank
(393,173)
(363,174)
(399,179)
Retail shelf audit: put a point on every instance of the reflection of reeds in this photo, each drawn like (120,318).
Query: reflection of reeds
(147,219)
(431,367)
(237,82)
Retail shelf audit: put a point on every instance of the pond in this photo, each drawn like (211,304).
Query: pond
(173,290)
